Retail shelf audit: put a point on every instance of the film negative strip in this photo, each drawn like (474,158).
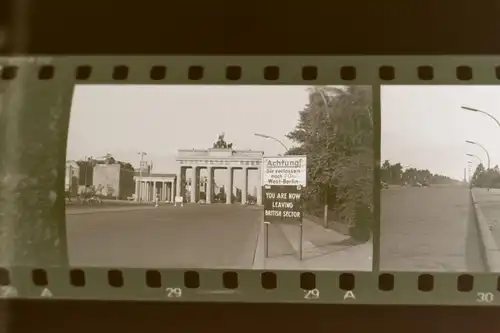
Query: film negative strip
(360,179)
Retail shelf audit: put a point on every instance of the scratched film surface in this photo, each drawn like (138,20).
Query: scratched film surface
(243,177)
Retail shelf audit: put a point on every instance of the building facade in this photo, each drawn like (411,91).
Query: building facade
(114,181)
(149,186)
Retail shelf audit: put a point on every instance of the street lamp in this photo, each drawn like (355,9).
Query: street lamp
(469,167)
(325,103)
(486,151)
(139,194)
(265,136)
(489,115)
(483,112)
(480,145)
(472,155)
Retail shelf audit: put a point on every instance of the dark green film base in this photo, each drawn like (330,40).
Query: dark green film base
(99,284)
(34,114)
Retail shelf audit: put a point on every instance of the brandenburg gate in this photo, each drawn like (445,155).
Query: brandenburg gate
(222,156)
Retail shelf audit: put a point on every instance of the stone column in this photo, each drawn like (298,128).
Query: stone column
(244,190)
(137,186)
(167,191)
(179,184)
(143,190)
(150,190)
(194,183)
(259,187)
(210,190)
(229,185)
(172,191)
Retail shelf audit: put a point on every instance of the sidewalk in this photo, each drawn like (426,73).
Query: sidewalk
(323,249)
(489,203)
(487,207)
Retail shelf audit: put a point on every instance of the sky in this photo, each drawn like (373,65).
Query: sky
(126,119)
(425,127)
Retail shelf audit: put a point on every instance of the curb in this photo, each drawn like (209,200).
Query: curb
(116,210)
(258,255)
(307,246)
(490,249)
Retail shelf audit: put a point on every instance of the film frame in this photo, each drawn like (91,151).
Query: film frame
(33,82)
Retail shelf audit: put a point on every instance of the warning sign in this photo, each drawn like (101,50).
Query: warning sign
(282,203)
(284,170)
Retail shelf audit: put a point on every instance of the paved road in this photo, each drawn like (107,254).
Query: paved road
(429,229)
(194,236)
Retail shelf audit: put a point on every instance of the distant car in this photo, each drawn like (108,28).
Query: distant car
(384,185)
(426,184)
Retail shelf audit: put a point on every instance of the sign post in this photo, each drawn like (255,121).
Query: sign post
(283,181)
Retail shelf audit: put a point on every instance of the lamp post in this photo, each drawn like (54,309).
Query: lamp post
(475,156)
(139,194)
(489,115)
(485,150)
(469,164)
(265,136)
(326,110)
(483,112)
(325,103)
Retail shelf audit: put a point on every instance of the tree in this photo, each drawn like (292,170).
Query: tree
(477,174)
(395,175)
(127,166)
(335,131)
(486,178)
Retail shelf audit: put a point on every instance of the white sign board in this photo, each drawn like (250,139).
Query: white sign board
(179,200)
(284,170)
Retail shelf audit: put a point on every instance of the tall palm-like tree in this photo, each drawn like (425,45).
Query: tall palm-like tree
(335,131)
